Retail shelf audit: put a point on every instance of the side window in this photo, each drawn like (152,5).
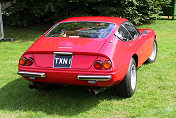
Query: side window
(123,34)
(132,29)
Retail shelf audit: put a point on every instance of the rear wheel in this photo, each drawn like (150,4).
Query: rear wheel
(128,86)
(152,57)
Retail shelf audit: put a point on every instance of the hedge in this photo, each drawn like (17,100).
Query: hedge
(31,12)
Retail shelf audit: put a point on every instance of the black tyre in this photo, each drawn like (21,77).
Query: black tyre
(152,57)
(128,86)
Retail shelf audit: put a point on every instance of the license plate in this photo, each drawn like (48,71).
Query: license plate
(62,61)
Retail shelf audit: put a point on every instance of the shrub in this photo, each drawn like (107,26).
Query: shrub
(29,12)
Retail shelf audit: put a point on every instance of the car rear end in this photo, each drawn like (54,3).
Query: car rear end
(71,56)
(87,70)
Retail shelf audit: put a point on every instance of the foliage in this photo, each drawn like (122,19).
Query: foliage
(24,13)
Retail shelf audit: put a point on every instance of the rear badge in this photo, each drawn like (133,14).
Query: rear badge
(64,47)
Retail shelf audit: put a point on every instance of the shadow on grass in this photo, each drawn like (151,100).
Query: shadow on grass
(24,34)
(64,101)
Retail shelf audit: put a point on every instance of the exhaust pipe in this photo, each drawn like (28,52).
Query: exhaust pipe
(31,86)
(95,91)
(39,86)
(34,86)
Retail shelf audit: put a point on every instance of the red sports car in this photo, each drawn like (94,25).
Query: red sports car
(90,51)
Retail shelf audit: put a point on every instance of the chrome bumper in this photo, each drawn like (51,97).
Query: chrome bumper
(31,74)
(95,77)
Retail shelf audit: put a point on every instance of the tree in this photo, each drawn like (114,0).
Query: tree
(28,12)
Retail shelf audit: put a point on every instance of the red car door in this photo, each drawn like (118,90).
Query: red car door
(134,41)
(139,43)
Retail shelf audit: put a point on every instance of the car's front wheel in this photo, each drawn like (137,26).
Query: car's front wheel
(128,86)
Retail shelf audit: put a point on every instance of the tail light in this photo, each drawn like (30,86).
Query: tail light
(22,61)
(107,64)
(98,64)
(29,61)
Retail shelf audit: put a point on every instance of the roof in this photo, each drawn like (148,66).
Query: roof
(116,20)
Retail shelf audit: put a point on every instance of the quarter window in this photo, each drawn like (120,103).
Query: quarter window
(123,34)
(132,29)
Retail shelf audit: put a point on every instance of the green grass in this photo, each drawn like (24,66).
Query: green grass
(155,95)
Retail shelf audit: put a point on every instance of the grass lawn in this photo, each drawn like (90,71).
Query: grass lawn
(155,95)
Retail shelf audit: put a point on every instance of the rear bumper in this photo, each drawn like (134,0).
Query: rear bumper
(31,74)
(73,77)
(80,77)
(94,77)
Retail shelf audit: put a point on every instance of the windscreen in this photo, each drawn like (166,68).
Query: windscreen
(82,30)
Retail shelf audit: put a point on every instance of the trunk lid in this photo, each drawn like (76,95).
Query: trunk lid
(84,51)
(62,44)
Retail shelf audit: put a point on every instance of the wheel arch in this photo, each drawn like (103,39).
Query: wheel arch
(135,57)
(155,37)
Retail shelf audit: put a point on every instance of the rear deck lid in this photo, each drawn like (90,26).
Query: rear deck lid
(83,50)
(55,44)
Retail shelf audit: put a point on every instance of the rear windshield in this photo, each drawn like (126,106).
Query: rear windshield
(82,30)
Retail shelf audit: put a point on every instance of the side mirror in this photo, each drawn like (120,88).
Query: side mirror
(145,32)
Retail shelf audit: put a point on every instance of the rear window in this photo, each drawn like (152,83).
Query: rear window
(82,30)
